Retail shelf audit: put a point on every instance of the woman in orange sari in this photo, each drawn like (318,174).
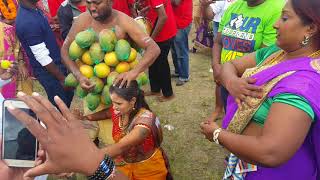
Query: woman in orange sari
(137,134)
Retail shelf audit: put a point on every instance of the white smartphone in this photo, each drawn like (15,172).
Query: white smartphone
(19,146)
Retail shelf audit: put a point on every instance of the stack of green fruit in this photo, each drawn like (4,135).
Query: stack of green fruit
(101,58)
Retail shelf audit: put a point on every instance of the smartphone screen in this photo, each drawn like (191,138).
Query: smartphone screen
(19,143)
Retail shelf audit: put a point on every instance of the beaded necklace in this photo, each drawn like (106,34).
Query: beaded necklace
(121,126)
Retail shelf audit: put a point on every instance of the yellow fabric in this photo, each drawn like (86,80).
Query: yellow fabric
(99,129)
(1,39)
(153,168)
(25,86)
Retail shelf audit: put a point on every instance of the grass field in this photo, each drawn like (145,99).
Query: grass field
(191,156)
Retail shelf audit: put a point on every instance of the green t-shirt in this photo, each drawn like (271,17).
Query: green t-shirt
(245,29)
(291,99)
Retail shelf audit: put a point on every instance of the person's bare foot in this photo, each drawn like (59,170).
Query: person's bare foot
(150,93)
(164,98)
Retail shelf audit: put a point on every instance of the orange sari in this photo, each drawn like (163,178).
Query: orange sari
(155,167)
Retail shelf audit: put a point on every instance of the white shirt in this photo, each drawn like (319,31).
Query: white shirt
(219,7)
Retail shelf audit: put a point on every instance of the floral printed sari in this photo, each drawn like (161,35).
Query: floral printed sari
(7,46)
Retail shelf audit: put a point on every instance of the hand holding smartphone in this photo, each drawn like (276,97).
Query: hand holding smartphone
(19,146)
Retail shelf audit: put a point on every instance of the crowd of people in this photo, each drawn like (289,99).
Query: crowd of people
(265,66)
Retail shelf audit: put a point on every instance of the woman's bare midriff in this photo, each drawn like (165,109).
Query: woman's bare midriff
(139,157)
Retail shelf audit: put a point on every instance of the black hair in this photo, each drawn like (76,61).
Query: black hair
(127,93)
(307,10)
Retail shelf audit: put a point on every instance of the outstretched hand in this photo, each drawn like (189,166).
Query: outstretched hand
(66,143)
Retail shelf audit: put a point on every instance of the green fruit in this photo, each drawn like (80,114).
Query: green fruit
(81,93)
(137,48)
(93,101)
(105,96)
(107,40)
(71,81)
(96,53)
(75,51)
(112,76)
(98,85)
(142,79)
(123,50)
(86,38)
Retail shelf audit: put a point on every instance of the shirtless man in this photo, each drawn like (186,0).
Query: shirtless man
(101,16)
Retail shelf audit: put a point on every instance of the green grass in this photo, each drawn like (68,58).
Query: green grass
(191,156)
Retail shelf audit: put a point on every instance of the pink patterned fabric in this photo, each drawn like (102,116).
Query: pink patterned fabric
(7,40)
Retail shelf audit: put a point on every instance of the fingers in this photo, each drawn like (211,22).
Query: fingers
(123,83)
(122,80)
(90,85)
(86,84)
(64,109)
(37,108)
(38,171)
(118,79)
(251,80)
(255,94)
(202,125)
(42,155)
(57,116)
(31,124)
(38,161)
(128,82)
(242,97)
(238,101)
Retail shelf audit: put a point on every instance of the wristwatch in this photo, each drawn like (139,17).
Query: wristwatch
(105,170)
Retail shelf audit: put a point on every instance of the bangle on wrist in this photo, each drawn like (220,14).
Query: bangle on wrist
(216,134)
(105,170)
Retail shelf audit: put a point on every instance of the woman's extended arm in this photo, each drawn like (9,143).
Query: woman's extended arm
(104,114)
(135,137)
(285,130)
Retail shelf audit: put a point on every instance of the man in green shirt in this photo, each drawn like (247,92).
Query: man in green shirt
(246,26)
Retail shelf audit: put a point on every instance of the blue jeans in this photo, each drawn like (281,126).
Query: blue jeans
(52,86)
(215,28)
(224,97)
(180,53)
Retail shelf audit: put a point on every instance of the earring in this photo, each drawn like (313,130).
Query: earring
(305,41)
(133,108)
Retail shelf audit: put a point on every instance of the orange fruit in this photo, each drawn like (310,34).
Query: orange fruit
(123,67)
(86,70)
